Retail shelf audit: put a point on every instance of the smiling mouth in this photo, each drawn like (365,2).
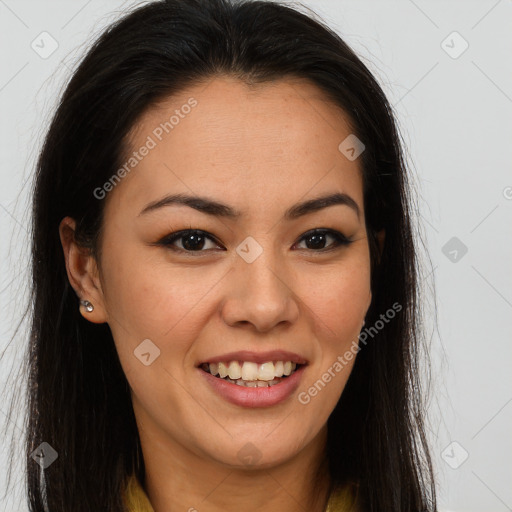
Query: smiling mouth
(250,374)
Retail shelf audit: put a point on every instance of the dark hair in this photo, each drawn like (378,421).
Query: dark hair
(79,398)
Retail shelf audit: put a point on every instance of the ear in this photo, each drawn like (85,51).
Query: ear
(381,236)
(82,272)
(367,308)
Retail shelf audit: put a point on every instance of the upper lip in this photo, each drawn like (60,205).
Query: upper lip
(257,357)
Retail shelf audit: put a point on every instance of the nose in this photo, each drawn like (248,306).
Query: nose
(259,295)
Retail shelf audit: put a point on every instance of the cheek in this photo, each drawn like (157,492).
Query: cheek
(153,297)
(337,302)
(166,306)
(156,301)
(338,299)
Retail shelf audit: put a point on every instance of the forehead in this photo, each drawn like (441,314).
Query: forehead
(251,146)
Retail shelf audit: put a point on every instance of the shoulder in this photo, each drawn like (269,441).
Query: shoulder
(135,498)
(344,499)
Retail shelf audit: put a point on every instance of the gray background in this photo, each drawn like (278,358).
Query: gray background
(454,109)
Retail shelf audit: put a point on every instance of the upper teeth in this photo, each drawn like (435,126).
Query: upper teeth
(252,371)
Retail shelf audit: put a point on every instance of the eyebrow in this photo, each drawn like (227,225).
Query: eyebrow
(217,209)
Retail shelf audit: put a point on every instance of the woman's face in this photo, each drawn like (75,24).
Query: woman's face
(253,286)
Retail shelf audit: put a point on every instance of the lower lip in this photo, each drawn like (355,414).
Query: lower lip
(255,397)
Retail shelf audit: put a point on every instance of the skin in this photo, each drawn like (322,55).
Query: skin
(260,150)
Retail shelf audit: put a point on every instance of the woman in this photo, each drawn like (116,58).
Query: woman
(225,292)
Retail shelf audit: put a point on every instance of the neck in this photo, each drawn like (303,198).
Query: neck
(177,479)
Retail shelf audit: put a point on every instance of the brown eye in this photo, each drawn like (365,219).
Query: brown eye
(317,239)
(191,240)
(196,240)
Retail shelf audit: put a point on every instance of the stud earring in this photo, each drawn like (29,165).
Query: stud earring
(87,305)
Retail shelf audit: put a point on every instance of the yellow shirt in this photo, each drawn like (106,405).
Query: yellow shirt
(137,500)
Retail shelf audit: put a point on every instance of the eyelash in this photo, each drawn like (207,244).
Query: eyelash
(340,239)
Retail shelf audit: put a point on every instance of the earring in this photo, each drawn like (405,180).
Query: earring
(87,305)
(362,325)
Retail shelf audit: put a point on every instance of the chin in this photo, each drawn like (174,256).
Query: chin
(256,452)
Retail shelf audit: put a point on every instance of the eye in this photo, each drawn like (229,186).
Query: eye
(316,239)
(192,240)
(195,240)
